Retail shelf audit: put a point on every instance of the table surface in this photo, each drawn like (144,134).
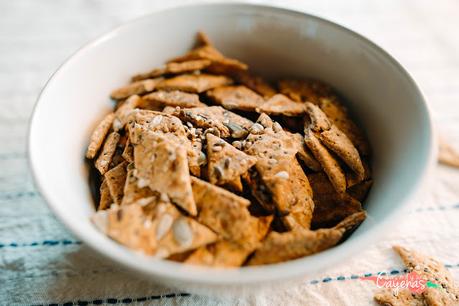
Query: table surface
(42,263)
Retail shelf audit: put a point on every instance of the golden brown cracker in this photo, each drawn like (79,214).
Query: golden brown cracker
(116,179)
(256,83)
(281,105)
(132,192)
(236,97)
(136,88)
(433,271)
(98,135)
(338,142)
(222,211)
(304,154)
(327,161)
(162,165)
(318,120)
(105,157)
(174,98)
(304,90)
(128,152)
(220,254)
(194,83)
(286,184)
(404,297)
(105,196)
(173,68)
(330,206)
(122,113)
(278,247)
(447,155)
(338,114)
(225,163)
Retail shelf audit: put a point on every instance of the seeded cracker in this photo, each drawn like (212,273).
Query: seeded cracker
(98,136)
(338,114)
(281,173)
(128,152)
(116,178)
(360,190)
(304,154)
(155,228)
(404,297)
(194,83)
(105,196)
(279,247)
(330,206)
(225,163)
(105,157)
(433,271)
(236,97)
(305,90)
(256,83)
(174,98)
(226,122)
(162,165)
(173,68)
(328,162)
(123,112)
(281,105)
(136,88)
(131,190)
(224,212)
(169,126)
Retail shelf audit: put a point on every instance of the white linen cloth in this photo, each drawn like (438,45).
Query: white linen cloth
(42,263)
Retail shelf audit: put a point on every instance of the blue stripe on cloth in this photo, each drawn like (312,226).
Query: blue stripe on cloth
(114,301)
(39,243)
(354,276)
(17,195)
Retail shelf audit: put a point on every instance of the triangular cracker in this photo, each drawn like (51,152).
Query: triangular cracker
(433,271)
(338,114)
(338,142)
(330,206)
(223,211)
(328,162)
(278,247)
(162,165)
(225,162)
(153,227)
(236,97)
(194,83)
(281,174)
(305,90)
(116,179)
(281,105)
(105,196)
(304,154)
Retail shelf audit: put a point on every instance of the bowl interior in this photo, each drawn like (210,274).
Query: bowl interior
(276,43)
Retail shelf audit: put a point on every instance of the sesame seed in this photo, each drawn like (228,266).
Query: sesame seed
(282,174)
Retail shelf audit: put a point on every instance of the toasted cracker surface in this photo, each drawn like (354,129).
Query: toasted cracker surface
(98,135)
(194,83)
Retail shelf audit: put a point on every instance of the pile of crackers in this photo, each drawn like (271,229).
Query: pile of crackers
(205,163)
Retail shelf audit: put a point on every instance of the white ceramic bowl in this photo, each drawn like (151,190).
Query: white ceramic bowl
(276,43)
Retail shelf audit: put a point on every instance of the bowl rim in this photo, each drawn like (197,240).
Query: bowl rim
(169,270)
